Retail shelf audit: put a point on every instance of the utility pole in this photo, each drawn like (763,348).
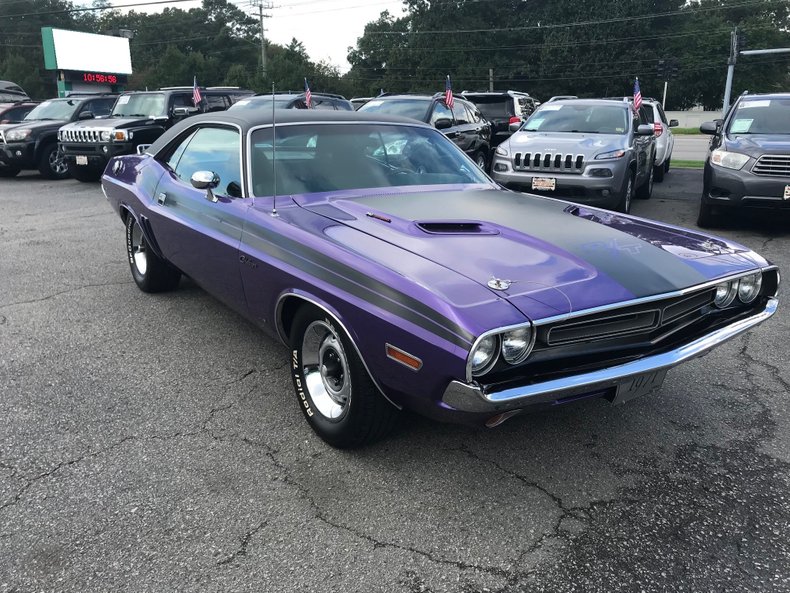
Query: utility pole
(261,7)
(491,80)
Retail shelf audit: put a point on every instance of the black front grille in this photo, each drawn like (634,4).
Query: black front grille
(772,165)
(548,161)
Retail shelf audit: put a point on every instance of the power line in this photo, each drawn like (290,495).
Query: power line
(96,8)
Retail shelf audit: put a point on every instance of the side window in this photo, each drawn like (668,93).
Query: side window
(172,161)
(645,115)
(216,103)
(440,111)
(323,104)
(181,101)
(217,150)
(662,115)
(460,113)
(99,107)
(474,114)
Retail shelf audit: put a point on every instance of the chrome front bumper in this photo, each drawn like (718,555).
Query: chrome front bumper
(472,398)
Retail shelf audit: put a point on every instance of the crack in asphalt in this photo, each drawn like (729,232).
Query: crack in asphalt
(245,542)
(62,292)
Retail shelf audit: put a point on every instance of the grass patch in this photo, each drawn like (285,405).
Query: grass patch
(688,164)
(686,131)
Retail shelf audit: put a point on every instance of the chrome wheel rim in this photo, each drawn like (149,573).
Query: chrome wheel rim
(57,163)
(325,369)
(138,250)
(628,192)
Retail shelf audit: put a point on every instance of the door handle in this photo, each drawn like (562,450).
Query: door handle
(160,198)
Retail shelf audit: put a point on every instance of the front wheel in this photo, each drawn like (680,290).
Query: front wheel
(51,163)
(706,218)
(150,272)
(335,393)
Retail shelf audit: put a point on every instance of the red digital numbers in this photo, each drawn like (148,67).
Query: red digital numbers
(97,78)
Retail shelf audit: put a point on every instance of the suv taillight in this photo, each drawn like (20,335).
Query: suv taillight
(658,129)
(514,119)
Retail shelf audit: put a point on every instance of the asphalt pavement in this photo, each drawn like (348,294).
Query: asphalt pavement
(153,443)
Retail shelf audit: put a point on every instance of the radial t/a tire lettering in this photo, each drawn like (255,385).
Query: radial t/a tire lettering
(333,388)
(150,272)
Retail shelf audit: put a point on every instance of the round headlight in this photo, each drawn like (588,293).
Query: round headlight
(749,287)
(484,355)
(105,136)
(725,294)
(516,345)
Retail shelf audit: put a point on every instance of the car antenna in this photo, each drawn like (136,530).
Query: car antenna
(274,159)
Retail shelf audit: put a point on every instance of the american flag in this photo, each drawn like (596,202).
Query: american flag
(637,96)
(196,96)
(448,93)
(308,96)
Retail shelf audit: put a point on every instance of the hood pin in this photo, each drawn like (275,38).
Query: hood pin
(499,284)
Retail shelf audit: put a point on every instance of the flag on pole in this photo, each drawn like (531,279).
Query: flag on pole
(308,96)
(637,96)
(196,96)
(448,93)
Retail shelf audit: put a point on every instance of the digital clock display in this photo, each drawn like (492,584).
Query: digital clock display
(99,78)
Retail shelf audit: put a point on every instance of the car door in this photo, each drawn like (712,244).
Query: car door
(197,230)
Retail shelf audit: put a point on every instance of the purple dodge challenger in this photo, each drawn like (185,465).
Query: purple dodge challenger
(401,276)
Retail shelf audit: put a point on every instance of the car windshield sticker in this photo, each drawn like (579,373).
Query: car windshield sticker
(123,99)
(741,126)
(748,104)
(619,130)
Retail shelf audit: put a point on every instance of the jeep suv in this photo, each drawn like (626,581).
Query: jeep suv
(594,151)
(33,144)
(137,118)
(502,108)
(749,160)
(289,100)
(463,124)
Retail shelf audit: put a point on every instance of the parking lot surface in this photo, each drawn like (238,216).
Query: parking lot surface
(153,443)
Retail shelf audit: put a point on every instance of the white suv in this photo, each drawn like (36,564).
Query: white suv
(665,141)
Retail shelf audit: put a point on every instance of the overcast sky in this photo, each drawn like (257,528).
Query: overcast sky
(326,27)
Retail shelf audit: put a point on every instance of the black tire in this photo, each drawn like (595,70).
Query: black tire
(626,193)
(335,393)
(658,172)
(84,174)
(9,171)
(645,191)
(51,163)
(666,166)
(150,273)
(706,218)
(481,160)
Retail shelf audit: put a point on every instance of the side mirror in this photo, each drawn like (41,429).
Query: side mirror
(86,115)
(515,126)
(673,123)
(443,123)
(207,180)
(184,111)
(710,127)
(645,130)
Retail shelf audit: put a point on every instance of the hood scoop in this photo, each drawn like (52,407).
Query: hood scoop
(455,227)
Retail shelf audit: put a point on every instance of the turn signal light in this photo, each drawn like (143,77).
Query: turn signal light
(514,119)
(658,129)
(404,358)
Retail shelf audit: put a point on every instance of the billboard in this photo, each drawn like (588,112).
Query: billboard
(73,50)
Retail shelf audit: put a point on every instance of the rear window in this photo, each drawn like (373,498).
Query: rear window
(413,108)
(492,107)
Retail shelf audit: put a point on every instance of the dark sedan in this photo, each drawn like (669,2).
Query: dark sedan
(400,276)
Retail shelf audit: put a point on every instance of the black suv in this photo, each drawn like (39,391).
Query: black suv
(137,118)
(749,160)
(290,100)
(463,124)
(33,144)
(502,108)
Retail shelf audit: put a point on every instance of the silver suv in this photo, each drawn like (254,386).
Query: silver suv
(594,151)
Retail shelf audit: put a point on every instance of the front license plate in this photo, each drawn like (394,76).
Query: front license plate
(638,385)
(82,159)
(544,183)
(787,192)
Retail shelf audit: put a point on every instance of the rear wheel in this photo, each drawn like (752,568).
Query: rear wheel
(84,174)
(150,272)
(666,166)
(646,189)
(335,393)
(480,158)
(658,172)
(51,163)
(626,193)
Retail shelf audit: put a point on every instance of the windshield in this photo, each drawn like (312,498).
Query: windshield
(322,157)
(263,103)
(140,105)
(57,109)
(588,119)
(413,108)
(761,116)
